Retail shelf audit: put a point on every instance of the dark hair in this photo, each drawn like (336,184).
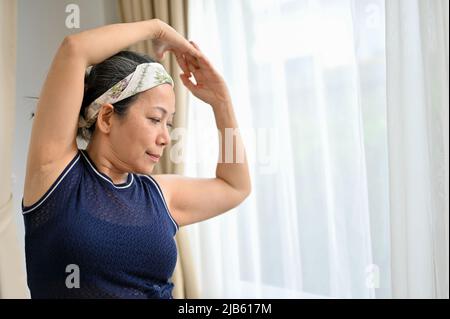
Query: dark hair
(103,76)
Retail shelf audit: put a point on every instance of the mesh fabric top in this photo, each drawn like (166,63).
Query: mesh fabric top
(120,236)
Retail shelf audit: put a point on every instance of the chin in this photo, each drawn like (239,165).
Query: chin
(147,169)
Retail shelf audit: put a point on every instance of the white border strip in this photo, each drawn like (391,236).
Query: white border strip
(163,200)
(96,172)
(53,189)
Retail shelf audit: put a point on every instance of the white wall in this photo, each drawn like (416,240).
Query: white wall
(41,28)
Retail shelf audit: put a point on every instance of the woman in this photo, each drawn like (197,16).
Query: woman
(98,225)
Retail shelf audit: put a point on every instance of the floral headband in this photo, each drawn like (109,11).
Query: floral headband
(145,77)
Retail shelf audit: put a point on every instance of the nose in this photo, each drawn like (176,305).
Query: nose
(163,137)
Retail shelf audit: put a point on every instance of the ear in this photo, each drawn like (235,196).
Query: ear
(104,118)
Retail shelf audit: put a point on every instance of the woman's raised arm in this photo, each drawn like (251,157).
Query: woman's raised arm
(96,45)
(53,137)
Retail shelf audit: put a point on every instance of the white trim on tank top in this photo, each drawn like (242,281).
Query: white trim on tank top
(131,182)
(163,200)
(96,172)
(53,189)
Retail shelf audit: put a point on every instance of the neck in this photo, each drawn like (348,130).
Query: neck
(104,159)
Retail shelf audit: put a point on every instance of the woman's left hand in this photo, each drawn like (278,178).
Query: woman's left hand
(211,87)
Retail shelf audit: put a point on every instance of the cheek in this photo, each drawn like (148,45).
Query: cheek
(143,132)
(126,135)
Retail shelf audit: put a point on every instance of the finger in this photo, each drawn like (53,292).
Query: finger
(191,65)
(193,62)
(196,72)
(187,82)
(201,58)
(193,50)
(200,71)
(182,63)
(196,53)
(191,68)
(195,45)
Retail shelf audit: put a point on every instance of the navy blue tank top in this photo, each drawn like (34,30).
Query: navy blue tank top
(119,238)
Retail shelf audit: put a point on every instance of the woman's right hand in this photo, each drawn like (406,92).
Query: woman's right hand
(168,39)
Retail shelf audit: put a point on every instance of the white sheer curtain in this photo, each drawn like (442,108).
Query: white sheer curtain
(12,280)
(308,81)
(417,78)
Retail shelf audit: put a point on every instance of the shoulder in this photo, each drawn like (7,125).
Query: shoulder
(45,180)
(166,184)
(161,182)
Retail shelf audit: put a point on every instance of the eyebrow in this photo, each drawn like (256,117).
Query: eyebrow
(162,110)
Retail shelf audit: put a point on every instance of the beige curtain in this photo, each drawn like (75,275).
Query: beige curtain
(174,13)
(12,275)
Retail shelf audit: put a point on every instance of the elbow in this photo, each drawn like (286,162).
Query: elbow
(239,193)
(70,45)
(246,192)
(249,187)
(238,196)
(246,189)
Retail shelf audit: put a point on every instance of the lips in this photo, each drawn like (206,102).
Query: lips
(154,157)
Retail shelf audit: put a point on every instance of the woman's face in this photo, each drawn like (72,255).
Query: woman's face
(144,130)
